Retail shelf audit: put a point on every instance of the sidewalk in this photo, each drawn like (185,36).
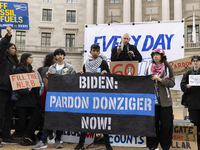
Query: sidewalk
(178,114)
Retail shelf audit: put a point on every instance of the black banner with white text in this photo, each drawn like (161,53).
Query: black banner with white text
(107,103)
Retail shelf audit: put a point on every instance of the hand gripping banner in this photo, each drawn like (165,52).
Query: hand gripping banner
(107,103)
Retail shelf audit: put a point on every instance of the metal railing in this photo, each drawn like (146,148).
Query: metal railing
(33,48)
(192,45)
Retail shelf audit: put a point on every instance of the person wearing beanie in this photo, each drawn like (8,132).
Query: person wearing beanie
(163,77)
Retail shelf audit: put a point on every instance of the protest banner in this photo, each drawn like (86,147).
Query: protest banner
(194,80)
(129,68)
(14,14)
(127,140)
(180,66)
(92,102)
(146,36)
(21,81)
(73,137)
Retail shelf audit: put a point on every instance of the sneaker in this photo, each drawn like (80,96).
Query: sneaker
(1,144)
(25,141)
(39,145)
(108,147)
(9,141)
(58,144)
(79,146)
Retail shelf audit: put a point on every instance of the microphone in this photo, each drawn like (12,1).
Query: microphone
(128,46)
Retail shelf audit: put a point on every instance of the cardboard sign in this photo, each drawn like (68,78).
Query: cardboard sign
(14,14)
(183,145)
(22,81)
(177,129)
(194,80)
(127,140)
(73,137)
(129,68)
(180,66)
(185,137)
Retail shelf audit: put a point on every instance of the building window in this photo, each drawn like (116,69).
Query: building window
(47,15)
(70,40)
(20,37)
(71,1)
(46,39)
(114,1)
(71,16)
(189,33)
(47,0)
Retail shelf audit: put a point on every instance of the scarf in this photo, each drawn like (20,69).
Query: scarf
(160,71)
(92,65)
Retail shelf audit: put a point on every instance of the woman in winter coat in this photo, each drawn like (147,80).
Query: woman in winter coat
(192,94)
(8,63)
(163,76)
(28,104)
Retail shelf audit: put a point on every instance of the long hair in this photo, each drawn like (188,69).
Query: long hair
(14,58)
(163,60)
(48,61)
(23,61)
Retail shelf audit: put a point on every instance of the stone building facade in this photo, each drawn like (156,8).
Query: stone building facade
(60,23)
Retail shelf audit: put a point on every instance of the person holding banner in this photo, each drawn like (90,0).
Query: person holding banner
(29,103)
(192,94)
(61,68)
(164,79)
(8,63)
(125,51)
(95,63)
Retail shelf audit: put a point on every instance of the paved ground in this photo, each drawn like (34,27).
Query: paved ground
(178,114)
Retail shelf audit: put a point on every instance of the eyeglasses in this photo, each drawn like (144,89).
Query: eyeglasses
(195,61)
(30,57)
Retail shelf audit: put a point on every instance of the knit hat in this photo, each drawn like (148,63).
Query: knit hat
(159,51)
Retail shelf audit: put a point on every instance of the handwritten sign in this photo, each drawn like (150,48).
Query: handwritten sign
(22,81)
(180,66)
(129,68)
(14,14)
(194,80)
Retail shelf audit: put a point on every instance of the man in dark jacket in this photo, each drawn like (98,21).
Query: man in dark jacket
(95,63)
(125,51)
(193,95)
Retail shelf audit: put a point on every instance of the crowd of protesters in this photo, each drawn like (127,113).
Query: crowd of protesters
(31,101)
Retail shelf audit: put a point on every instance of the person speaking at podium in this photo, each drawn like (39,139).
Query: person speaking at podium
(125,51)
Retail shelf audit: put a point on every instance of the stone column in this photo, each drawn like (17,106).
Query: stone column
(178,10)
(138,11)
(100,11)
(126,11)
(89,11)
(165,10)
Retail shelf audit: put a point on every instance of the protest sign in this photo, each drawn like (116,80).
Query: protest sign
(194,80)
(92,102)
(73,137)
(184,137)
(127,140)
(180,66)
(129,68)
(14,14)
(21,81)
(146,36)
